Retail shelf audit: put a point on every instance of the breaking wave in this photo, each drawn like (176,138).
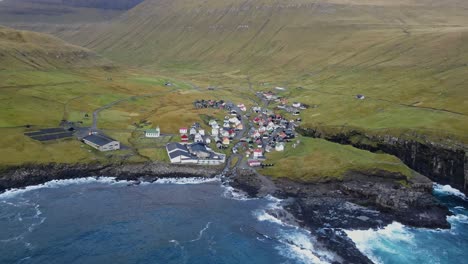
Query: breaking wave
(448,190)
(190,180)
(384,238)
(294,242)
(299,246)
(58,183)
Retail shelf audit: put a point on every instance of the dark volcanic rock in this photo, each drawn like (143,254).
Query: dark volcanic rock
(21,176)
(445,163)
(359,201)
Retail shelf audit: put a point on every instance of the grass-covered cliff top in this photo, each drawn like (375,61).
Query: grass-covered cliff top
(318,160)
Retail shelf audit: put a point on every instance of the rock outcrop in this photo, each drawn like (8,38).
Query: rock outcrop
(358,201)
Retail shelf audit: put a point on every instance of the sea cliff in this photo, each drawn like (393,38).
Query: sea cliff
(443,161)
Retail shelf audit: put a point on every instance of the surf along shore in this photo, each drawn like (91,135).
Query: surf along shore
(326,209)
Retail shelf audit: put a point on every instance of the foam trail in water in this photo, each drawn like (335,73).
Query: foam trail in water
(200,234)
(448,190)
(298,246)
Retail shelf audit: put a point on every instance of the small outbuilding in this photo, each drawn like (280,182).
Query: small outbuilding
(153,133)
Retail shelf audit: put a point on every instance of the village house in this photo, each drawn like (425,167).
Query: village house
(101,142)
(279,147)
(198,138)
(184,138)
(257,153)
(254,163)
(296,104)
(153,133)
(183,130)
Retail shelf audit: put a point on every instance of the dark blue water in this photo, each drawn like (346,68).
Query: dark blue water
(90,221)
(87,221)
(400,244)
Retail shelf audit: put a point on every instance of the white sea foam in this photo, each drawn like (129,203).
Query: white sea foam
(231,193)
(200,234)
(367,240)
(448,190)
(298,246)
(56,184)
(459,218)
(191,180)
(263,215)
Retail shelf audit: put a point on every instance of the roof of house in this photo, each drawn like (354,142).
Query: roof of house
(178,153)
(198,147)
(174,145)
(99,140)
(152,130)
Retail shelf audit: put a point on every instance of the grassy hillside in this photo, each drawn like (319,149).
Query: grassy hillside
(29,50)
(409,57)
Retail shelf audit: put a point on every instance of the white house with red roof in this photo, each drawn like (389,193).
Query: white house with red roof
(257,153)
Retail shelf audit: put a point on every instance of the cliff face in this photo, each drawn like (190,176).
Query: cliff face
(445,164)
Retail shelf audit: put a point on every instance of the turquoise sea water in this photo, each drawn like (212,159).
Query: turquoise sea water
(190,221)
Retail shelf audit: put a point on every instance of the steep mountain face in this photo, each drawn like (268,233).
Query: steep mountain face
(294,35)
(102,4)
(30,50)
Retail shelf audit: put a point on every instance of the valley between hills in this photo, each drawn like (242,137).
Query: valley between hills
(409,60)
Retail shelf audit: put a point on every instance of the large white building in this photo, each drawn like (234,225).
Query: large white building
(101,142)
(196,153)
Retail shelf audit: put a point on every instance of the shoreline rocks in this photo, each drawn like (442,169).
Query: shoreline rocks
(359,201)
(26,175)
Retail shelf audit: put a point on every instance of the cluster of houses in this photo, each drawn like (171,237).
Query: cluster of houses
(293,109)
(210,104)
(222,135)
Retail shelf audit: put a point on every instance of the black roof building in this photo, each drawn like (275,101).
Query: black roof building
(99,140)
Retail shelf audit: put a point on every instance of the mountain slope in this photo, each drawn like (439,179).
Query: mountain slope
(409,57)
(30,50)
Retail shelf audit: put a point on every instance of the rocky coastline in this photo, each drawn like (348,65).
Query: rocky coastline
(359,201)
(326,209)
(26,175)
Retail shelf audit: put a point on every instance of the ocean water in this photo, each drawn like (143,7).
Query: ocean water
(190,221)
(171,221)
(397,243)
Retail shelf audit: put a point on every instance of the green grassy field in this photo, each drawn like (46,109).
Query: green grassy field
(319,160)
